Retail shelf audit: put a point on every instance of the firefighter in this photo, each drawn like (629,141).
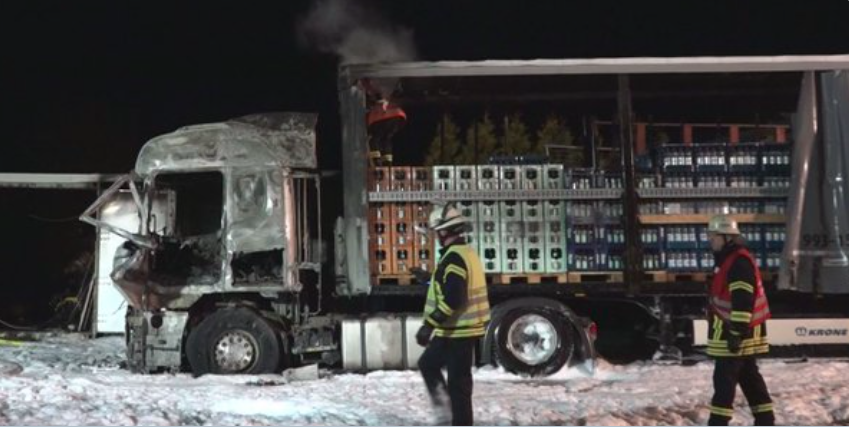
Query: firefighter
(455,316)
(737,328)
(384,120)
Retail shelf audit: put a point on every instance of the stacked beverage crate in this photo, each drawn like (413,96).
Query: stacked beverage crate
(402,223)
(466,180)
(512,223)
(554,217)
(380,241)
(533,218)
(489,220)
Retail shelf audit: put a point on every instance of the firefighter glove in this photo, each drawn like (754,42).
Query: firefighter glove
(734,342)
(423,335)
(422,277)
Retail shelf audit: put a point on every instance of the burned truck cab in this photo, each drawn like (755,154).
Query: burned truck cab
(228,217)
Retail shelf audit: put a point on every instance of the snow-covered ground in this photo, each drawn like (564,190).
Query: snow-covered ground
(70,380)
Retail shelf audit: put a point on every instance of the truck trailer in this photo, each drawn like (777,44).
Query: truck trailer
(228,264)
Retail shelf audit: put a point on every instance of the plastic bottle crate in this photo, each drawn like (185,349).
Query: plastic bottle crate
(712,207)
(608,180)
(753,235)
(532,177)
(489,235)
(465,178)
(680,208)
(678,180)
(469,209)
(706,260)
(489,177)
(554,177)
(775,181)
(444,178)
(611,236)
(651,237)
(775,207)
(609,212)
(583,260)
(422,179)
(744,158)
(511,177)
(653,260)
(710,158)
(581,212)
(681,237)
(711,180)
(650,208)
(676,158)
(775,159)
(582,237)
(401,178)
(774,237)
(555,235)
(579,179)
(379,179)
(745,207)
(643,163)
(683,260)
(743,180)
(647,181)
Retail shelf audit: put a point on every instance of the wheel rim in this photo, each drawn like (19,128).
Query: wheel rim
(532,339)
(235,351)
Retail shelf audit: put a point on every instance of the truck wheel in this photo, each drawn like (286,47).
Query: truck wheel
(534,341)
(233,341)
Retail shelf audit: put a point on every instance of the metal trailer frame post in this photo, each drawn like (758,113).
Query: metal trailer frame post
(633,250)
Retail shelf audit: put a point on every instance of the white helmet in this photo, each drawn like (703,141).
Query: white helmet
(446,216)
(723,224)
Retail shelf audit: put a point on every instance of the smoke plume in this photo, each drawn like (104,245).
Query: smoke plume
(354,33)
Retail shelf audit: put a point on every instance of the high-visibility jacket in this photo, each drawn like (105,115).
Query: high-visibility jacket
(738,305)
(458,266)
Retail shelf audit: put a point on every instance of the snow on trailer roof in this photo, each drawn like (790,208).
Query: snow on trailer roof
(698,64)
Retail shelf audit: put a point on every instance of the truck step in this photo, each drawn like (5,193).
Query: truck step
(596,276)
(532,279)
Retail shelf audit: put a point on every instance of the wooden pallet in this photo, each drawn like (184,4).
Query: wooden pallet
(596,276)
(396,279)
(532,279)
(656,276)
(672,277)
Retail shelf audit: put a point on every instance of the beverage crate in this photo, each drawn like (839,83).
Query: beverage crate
(754,236)
(512,237)
(653,259)
(775,159)
(465,178)
(743,180)
(711,180)
(554,177)
(676,159)
(489,177)
(681,237)
(422,179)
(679,180)
(774,237)
(683,260)
(532,177)
(555,235)
(379,179)
(744,158)
(579,179)
(444,178)
(651,237)
(711,158)
(511,177)
(401,178)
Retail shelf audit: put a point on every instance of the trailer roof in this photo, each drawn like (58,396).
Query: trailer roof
(699,64)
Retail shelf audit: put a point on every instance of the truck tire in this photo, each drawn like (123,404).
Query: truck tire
(534,341)
(234,341)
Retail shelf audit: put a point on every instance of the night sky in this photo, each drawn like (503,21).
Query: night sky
(85,84)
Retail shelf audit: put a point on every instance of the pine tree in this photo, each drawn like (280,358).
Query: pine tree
(555,132)
(517,141)
(487,142)
(445,145)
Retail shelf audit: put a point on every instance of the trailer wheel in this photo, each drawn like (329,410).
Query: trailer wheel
(234,341)
(534,341)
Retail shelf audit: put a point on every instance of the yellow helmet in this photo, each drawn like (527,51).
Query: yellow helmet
(723,224)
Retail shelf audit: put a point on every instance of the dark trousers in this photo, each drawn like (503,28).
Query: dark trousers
(457,356)
(730,371)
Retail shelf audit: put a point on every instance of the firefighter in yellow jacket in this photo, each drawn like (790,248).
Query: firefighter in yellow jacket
(737,330)
(455,315)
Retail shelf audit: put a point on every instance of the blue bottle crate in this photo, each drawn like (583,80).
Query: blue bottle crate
(710,158)
(744,158)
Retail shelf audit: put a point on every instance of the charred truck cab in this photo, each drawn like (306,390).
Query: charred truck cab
(213,278)
(224,275)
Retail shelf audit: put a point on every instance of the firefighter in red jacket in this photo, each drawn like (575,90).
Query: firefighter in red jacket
(737,329)
(384,119)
